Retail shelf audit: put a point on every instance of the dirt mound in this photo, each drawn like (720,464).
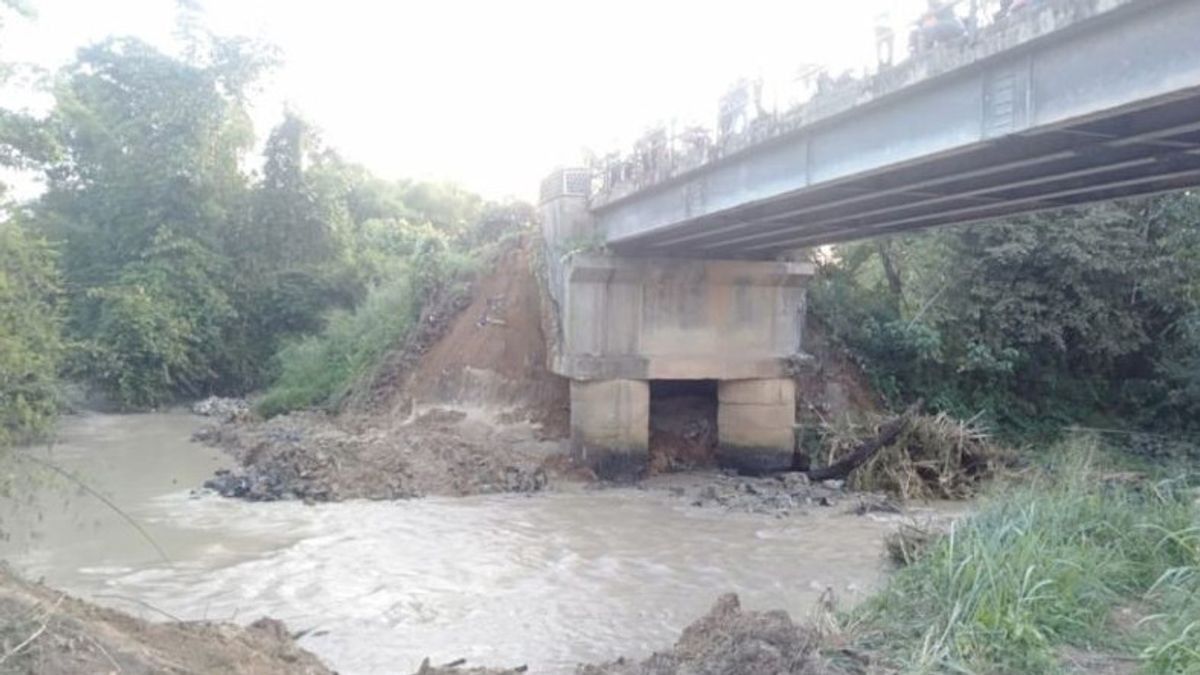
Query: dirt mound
(831,385)
(44,631)
(314,457)
(729,641)
(493,353)
(466,405)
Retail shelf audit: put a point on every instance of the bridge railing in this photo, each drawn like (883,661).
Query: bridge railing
(743,121)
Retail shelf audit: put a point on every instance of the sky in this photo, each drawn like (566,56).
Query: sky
(492,95)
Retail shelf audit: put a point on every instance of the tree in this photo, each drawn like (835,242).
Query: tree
(1041,320)
(30,344)
(143,196)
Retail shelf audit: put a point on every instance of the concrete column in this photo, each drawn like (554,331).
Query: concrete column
(755,420)
(610,427)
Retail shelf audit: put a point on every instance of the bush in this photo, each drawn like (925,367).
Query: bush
(30,346)
(1081,316)
(1045,565)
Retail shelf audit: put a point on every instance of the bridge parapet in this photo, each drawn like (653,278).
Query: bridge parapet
(1017,31)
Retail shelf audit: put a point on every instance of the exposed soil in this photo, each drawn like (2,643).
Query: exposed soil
(315,457)
(728,640)
(47,632)
(683,425)
(830,385)
(466,405)
(494,353)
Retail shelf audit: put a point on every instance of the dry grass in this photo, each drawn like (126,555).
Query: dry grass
(935,457)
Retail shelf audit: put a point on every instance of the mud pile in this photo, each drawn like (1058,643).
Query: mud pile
(728,640)
(47,632)
(466,405)
(313,457)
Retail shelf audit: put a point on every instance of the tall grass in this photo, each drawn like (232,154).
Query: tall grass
(318,370)
(1048,564)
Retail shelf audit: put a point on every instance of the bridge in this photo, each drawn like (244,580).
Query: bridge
(1076,102)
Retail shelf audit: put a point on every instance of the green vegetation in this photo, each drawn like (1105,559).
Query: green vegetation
(182,274)
(30,346)
(320,370)
(1068,557)
(1089,316)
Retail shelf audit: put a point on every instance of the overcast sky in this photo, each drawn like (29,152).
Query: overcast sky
(490,94)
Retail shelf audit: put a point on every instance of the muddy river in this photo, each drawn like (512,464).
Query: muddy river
(547,580)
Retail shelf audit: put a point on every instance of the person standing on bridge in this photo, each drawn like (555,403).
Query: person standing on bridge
(885,40)
(939,25)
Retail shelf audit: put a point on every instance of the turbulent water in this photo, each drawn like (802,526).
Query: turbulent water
(548,580)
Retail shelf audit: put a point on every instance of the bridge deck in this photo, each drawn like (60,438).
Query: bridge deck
(1070,112)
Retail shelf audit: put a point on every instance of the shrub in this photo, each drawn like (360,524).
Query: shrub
(30,346)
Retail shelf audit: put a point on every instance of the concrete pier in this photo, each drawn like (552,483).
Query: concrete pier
(610,427)
(622,322)
(756,424)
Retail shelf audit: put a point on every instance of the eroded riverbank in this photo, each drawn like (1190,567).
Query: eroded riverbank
(548,580)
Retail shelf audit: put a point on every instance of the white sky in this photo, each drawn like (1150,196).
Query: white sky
(490,94)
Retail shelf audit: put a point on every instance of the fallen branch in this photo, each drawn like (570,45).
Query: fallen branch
(36,634)
(46,464)
(888,433)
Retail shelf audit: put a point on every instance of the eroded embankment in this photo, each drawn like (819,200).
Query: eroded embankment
(47,632)
(465,406)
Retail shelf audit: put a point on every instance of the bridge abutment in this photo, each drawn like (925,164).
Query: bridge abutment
(622,322)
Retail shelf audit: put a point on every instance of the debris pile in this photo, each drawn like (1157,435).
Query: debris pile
(221,408)
(729,640)
(313,457)
(933,457)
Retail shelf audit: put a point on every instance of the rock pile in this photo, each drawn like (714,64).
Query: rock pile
(728,640)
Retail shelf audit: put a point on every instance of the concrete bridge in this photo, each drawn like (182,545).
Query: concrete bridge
(1079,101)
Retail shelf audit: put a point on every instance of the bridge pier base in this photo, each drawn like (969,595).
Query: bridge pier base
(755,424)
(610,427)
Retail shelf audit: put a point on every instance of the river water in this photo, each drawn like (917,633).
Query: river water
(548,580)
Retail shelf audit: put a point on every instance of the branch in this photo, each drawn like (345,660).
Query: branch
(36,634)
(888,434)
(88,489)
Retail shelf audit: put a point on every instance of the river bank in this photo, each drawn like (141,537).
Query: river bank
(45,631)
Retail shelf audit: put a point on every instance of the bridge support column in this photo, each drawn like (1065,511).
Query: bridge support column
(755,424)
(610,427)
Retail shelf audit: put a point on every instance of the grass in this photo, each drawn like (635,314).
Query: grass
(318,370)
(1046,565)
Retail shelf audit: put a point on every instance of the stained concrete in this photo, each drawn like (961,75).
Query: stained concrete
(620,322)
(755,424)
(610,427)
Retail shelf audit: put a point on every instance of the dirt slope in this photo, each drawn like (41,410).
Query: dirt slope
(494,353)
(466,405)
(63,635)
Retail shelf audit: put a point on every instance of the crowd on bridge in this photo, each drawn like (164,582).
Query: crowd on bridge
(743,119)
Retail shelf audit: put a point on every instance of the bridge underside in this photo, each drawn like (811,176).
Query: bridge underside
(1145,151)
(1099,114)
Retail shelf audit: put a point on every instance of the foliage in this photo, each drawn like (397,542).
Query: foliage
(1039,322)
(320,370)
(1046,565)
(186,274)
(30,346)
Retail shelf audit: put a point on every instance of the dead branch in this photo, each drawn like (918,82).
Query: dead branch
(888,433)
(35,635)
(105,500)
